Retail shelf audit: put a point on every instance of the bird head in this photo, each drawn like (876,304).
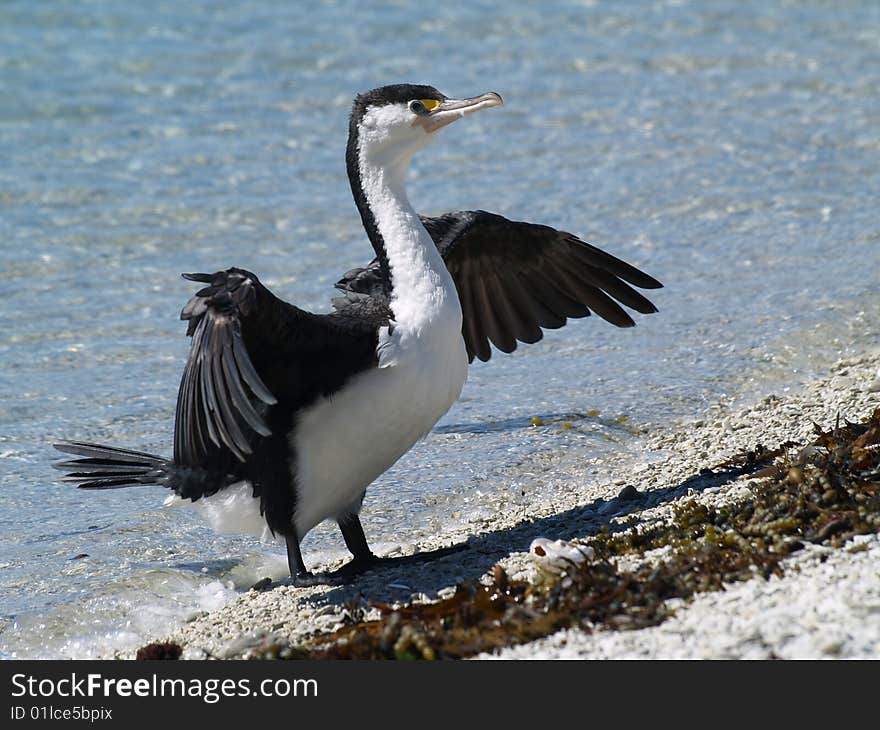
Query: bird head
(391,123)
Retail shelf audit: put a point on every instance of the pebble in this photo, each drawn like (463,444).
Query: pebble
(629,494)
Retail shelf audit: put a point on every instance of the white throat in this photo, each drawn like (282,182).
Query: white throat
(423,293)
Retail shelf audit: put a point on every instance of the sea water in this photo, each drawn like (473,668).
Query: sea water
(731,149)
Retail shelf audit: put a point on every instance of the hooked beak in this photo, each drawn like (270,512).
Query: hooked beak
(453,109)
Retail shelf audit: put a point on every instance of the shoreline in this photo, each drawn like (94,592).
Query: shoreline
(826,605)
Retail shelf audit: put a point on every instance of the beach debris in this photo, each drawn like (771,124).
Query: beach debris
(412,643)
(630,494)
(272,648)
(264,584)
(355,609)
(537,421)
(795,475)
(159,650)
(500,578)
(260,645)
(557,556)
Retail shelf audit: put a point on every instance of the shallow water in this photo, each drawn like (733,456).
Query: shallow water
(730,149)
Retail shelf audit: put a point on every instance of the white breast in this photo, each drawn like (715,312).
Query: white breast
(344,442)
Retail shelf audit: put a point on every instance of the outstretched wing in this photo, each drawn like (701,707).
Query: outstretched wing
(513,279)
(222,397)
(249,350)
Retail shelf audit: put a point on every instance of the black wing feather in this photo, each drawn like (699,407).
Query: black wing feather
(508,326)
(617,288)
(513,279)
(474,335)
(545,317)
(221,394)
(248,372)
(527,313)
(593,256)
(530,276)
(486,310)
(552,292)
(587,294)
(105,467)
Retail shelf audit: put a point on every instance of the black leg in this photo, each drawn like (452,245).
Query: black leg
(355,540)
(298,573)
(363,558)
(294,557)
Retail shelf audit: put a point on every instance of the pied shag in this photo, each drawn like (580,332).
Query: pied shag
(286,416)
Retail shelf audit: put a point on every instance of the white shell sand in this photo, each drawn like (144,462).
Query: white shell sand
(826,605)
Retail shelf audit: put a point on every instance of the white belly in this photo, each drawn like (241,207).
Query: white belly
(341,444)
(232,511)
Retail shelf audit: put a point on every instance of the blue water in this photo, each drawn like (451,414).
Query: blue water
(732,149)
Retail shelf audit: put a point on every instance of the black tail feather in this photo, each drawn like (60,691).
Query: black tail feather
(81,448)
(108,467)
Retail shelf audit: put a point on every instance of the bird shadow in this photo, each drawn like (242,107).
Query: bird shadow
(395,579)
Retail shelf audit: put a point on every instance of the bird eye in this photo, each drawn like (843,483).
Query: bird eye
(416,107)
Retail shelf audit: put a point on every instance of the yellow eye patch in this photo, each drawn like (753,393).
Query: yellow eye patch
(430,104)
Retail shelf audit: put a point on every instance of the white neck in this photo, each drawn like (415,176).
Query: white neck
(423,291)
